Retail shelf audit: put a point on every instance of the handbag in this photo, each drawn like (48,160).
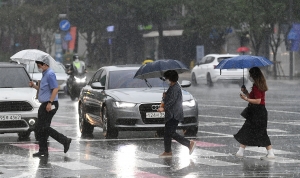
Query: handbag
(247,112)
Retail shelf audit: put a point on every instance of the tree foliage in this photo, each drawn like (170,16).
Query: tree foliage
(207,20)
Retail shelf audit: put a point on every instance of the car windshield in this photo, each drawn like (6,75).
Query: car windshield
(31,67)
(222,58)
(13,78)
(124,79)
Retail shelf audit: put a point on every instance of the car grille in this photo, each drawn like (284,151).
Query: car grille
(126,122)
(15,106)
(148,108)
(13,124)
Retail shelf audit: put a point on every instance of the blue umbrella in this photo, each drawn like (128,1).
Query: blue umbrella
(157,68)
(242,62)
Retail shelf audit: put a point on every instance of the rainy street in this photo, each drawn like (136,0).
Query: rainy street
(135,154)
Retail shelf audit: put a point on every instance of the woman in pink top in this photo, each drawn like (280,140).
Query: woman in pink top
(254,130)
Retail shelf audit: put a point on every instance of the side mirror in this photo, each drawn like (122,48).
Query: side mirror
(97,85)
(185,83)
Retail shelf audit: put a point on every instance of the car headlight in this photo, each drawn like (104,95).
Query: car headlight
(80,80)
(123,104)
(189,103)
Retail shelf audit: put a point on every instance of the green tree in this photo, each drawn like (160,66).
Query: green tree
(210,20)
(155,12)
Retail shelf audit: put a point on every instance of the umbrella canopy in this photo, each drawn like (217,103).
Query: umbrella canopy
(28,55)
(242,62)
(158,68)
(243,49)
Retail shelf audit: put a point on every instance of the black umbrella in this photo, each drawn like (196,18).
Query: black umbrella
(157,68)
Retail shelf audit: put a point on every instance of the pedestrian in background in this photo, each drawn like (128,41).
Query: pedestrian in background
(173,114)
(254,130)
(48,97)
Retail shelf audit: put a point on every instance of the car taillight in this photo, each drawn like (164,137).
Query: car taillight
(215,66)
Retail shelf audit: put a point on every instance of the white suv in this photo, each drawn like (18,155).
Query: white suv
(204,71)
(18,103)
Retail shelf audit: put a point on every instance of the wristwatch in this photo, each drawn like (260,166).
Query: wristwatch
(50,102)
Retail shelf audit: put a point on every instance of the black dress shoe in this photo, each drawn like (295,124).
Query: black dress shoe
(39,154)
(67,145)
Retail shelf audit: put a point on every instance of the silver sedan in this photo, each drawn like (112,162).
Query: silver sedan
(115,101)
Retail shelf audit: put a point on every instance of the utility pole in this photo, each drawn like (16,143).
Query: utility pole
(291,52)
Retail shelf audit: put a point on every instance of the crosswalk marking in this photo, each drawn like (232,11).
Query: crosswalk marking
(143,164)
(276,130)
(215,133)
(208,153)
(214,162)
(278,159)
(263,150)
(74,165)
(32,146)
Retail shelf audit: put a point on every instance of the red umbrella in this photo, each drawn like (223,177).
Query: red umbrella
(243,49)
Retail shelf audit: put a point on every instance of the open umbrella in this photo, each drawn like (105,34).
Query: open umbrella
(157,68)
(31,55)
(242,62)
(28,55)
(243,49)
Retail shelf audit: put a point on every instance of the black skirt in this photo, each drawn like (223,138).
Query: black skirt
(254,130)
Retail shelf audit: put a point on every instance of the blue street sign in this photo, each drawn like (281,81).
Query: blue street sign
(64,25)
(68,37)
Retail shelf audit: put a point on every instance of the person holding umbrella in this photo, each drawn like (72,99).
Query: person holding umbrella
(173,114)
(254,130)
(47,96)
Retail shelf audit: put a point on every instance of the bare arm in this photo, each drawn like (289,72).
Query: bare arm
(54,93)
(31,84)
(252,101)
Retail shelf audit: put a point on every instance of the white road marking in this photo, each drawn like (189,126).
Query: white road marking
(276,130)
(269,110)
(243,120)
(207,153)
(263,150)
(143,164)
(214,162)
(75,166)
(278,159)
(215,133)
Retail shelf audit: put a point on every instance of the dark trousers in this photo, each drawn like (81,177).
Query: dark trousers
(43,128)
(170,132)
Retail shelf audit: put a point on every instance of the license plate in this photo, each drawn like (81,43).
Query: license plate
(10,117)
(155,114)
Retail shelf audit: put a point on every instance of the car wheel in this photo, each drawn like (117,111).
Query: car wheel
(209,81)
(84,127)
(23,135)
(194,80)
(160,133)
(108,130)
(191,131)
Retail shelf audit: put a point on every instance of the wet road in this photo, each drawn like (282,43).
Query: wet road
(135,154)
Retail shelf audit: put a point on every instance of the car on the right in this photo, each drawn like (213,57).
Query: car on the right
(205,72)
